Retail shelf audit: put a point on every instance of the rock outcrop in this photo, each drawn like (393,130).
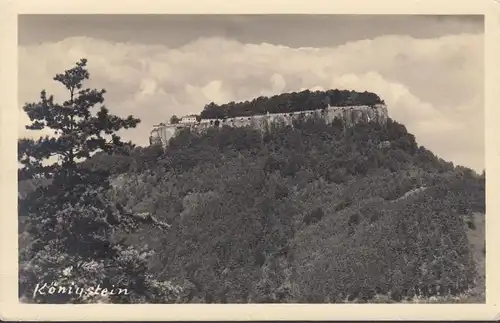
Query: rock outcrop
(349,114)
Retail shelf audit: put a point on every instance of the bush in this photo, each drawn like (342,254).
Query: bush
(314,216)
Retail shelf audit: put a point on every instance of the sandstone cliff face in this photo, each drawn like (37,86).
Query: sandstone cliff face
(349,114)
(162,133)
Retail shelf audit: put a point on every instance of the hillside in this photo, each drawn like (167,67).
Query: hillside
(310,213)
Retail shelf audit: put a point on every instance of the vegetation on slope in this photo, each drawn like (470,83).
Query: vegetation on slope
(311,213)
(67,220)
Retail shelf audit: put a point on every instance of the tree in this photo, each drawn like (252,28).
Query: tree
(78,132)
(174,119)
(71,220)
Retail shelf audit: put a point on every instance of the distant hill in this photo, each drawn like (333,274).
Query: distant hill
(311,213)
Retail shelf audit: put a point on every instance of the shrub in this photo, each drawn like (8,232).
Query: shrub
(314,216)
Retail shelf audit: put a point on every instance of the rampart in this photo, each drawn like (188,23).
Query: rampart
(349,114)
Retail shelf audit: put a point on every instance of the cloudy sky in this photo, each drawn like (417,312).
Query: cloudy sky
(428,69)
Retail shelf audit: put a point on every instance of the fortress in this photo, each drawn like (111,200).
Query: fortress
(349,114)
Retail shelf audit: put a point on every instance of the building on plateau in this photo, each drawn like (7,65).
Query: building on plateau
(189,119)
(162,132)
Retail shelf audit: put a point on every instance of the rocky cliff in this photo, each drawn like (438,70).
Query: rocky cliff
(349,114)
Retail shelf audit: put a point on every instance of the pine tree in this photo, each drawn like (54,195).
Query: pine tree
(78,132)
(72,222)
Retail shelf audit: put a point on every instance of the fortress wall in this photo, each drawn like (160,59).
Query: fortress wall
(349,114)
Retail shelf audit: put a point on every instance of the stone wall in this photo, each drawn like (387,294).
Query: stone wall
(349,114)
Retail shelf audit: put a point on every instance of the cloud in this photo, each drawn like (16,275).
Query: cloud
(434,86)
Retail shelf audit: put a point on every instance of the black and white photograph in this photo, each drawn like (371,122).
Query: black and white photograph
(251,159)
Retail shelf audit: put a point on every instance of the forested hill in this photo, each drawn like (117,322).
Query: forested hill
(290,102)
(311,213)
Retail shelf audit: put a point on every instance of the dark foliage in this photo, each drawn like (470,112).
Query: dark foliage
(289,102)
(68,216)
(314,216)
(310,213)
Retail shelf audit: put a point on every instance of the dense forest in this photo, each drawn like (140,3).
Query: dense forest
(290,102)
(311,213)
